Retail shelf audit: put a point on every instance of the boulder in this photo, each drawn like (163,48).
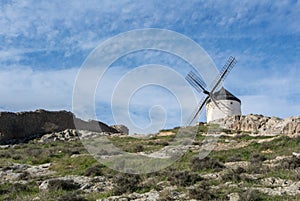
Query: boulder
(121,129)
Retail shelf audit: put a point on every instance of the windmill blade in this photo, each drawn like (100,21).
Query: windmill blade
(223,73)
(196,81)
(197,78)
(214,102)
(199,109)
(195,85)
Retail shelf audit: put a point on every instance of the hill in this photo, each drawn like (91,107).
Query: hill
(243,165)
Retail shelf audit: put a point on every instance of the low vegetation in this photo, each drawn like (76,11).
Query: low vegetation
(191,177)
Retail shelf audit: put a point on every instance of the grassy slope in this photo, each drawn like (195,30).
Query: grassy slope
(182,174)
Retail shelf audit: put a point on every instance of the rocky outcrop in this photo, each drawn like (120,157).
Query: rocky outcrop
(73,182)
(23,126)
(261,124)
(121,129)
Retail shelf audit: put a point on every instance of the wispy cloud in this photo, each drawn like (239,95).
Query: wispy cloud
(43,44)
(26,89)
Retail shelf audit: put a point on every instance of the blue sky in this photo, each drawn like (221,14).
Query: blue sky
(44,43)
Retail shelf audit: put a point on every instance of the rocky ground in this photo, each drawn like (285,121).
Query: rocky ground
(242,166)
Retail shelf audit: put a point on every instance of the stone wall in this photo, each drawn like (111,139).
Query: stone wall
(17,127)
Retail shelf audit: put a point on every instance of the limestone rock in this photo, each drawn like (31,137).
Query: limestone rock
(66,135)
(73,182)
(149,196)
(259,124)
(21,172)
(234,197)
(121,129)
(24,126)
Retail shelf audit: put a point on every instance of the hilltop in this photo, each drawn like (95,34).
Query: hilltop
(244,165)
(24,126)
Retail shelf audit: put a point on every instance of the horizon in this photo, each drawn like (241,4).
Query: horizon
(44,45)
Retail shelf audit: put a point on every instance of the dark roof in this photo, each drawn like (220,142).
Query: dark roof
(223,94)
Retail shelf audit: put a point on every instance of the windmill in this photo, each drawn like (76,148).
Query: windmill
(211,96)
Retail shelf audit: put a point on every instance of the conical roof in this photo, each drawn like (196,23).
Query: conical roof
(223,94)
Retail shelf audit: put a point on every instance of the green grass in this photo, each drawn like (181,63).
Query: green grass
(73,166)
(59,155)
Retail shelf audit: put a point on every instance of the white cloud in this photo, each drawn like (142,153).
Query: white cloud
(263,35)
(25,89)
(132,94)
(269,105)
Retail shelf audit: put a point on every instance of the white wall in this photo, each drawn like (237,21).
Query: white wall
(228,108)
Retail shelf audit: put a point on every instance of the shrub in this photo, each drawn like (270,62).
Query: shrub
(125,183)
(5,154)
(71,197)
(233,175)
(138,148)
(24,176)
(93,171)
(60,184)
(290,163)
(206,163)
(183,178)
(256,165)
(165,195)
(202,192)
(253,195)
(18,187)
(234,158)
(162,143)
(257,158)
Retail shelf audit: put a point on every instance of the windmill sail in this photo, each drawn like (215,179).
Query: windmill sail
(223,73)
(198,110)
(197,82)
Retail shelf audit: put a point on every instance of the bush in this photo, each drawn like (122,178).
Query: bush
(18,187)
(24,176)
(125,183)
(94,171)
(206,163)
(257,158)
(202,192)
(138,148)
(59,184)
(253,195)
(233,175)
(256,166)
(234,158)
(165,195)
(290,163)
(184,178)
(71,197)
(162,143)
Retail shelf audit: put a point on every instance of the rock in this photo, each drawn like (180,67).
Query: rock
(66,135)
(290,188)
(58,183)
(297,155)
(24,126)
(234,197)
(259,124)
(73,182)
(121,129)
(16,172)
(149,196)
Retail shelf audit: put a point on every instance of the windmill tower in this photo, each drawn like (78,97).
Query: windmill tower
(228,105)
(218,104)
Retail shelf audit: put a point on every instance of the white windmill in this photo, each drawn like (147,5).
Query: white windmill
(221,103)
